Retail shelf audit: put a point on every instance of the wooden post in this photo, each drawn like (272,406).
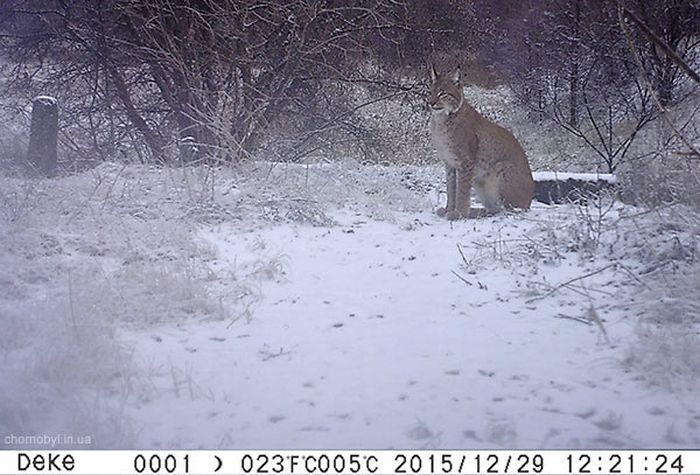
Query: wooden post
(43,135)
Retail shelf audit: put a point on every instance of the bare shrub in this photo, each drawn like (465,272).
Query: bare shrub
(147,293)
(661,181)
(14,137)
(665,355)
(204,80)
(61,367)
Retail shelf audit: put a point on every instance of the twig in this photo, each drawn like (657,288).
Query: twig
(593,316)
(462,279)
(632,274)
(571,281)
(576,319)
(176,384)
(266,355)
(464,258)
(72,305)
(233,320)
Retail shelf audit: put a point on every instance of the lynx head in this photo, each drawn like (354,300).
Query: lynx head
(446,94)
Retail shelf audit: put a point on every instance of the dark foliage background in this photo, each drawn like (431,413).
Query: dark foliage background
(185,80)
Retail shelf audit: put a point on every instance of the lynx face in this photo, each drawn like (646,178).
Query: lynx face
(445,93)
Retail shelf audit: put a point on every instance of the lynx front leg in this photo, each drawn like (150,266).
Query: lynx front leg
(463,190)
(451,174)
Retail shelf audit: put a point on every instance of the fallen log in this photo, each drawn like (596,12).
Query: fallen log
(559,187)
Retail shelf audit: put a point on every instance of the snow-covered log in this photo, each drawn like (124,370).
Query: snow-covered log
(555,187)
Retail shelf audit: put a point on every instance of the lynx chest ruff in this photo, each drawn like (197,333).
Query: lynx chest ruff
(443,139)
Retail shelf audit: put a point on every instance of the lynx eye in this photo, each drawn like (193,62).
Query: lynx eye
(443,95)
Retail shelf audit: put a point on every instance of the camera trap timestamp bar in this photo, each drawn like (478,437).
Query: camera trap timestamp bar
(345,462)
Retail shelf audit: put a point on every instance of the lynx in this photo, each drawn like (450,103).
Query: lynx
(476,153)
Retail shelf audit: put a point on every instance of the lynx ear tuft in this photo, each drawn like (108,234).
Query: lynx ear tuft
(433,73)
(456,76)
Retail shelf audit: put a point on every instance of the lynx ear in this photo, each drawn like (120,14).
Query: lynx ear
(456,76)
(433,73)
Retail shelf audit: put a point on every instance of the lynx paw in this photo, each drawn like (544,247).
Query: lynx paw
(442,212)
(455,215)
(482,212)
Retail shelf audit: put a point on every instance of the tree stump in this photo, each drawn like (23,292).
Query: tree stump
(43,136)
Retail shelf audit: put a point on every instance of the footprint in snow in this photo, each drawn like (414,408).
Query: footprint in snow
(586,413)
(315,429)
(419,432)
(470,434)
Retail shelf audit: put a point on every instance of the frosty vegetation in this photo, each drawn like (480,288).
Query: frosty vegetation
(242,231)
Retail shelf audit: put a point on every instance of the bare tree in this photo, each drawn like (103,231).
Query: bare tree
(569,61)
(676,24)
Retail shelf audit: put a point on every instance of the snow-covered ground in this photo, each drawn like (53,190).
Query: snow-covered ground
(328,307)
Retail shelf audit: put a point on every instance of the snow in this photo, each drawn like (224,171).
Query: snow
(372,342)
(46,100)
(329,307)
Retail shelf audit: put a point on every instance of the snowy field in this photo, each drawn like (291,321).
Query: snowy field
(328,306)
